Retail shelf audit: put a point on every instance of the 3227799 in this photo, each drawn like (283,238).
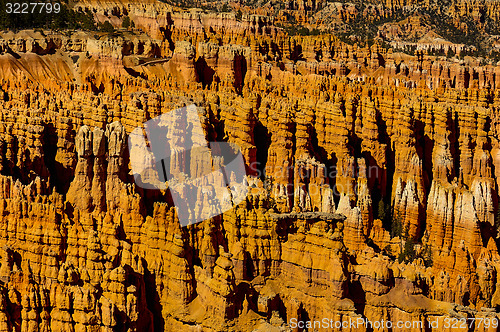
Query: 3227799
(32,7)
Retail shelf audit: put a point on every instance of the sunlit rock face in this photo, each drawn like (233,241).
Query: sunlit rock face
(373,177)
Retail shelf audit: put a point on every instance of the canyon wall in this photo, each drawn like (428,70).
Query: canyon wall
(373,175)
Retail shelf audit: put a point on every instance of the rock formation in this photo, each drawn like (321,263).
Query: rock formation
(373,175)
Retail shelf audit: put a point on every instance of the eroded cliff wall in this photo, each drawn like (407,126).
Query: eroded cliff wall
(379,198)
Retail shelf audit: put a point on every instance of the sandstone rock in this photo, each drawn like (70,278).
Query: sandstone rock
(323,127)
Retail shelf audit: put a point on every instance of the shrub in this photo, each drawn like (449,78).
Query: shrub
(408,253)
(396,226)
(126,22)
(106,27)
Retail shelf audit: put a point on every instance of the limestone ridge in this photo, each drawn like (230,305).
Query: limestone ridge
(370,155)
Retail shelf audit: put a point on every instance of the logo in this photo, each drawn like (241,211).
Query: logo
(205,179)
